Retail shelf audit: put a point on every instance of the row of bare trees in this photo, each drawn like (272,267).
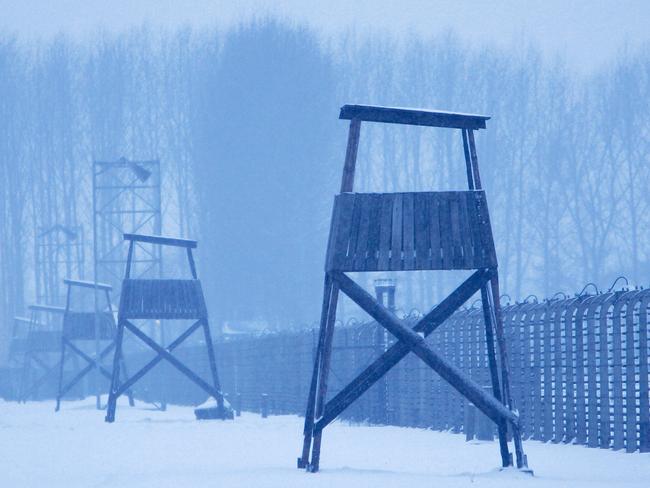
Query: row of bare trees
(244,124)
(564,159)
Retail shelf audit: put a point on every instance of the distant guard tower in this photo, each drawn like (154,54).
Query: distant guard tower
(17,348)
(85,329)
(171,299)
(407,232)
(126,198)
(59,253)
(42,345)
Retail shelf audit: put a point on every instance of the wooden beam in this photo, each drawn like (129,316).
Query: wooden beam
(505,368)
(49,370)
(323,377)
(47,308)
(64,389)
(474,158)
(303,460)
(147,367)
(347,181)
(411,116)
(87,284)
(190,260)
(212,359)
(165,354)
(489,405)
(164,241)
(468,161)
(398,351)
(488,322)
(129,260)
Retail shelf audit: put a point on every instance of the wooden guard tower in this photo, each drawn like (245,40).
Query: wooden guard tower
(163,299)
(42,344)
(406,232)
(17,349)
(89,326)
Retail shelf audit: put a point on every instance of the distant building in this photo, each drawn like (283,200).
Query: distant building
(246,327)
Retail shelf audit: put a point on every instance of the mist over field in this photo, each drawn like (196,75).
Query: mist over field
(243,119)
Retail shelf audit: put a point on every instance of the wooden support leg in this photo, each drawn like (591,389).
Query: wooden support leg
(494,373)
(61,365)
(115,378)
(303,460)
(163,343)
(75,367)
(98,397)
(522,461)
(125,376)
(213,362)
(24,378)
(326,356)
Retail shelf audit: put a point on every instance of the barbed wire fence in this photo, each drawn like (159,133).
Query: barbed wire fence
(579,370)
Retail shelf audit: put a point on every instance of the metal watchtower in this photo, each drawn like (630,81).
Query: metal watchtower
(126,198)
(58,253)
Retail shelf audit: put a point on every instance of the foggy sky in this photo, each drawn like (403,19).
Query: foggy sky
(587,32)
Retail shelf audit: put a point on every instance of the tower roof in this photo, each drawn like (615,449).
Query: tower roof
(412,116)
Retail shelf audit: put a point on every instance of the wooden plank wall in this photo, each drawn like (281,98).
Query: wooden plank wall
(579,368)
(410,231)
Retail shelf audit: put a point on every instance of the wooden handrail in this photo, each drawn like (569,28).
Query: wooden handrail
(87,284)
(163,241)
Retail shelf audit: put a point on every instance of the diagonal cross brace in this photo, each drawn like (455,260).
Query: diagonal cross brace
(147,367)
(489,405)
(49,370)
(165,354)
(398,351)
(91,361)
(44,366)
(89,367)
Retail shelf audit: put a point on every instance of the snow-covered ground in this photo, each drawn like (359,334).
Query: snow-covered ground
(145,448)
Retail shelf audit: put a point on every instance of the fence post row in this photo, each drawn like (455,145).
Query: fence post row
(579,371)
